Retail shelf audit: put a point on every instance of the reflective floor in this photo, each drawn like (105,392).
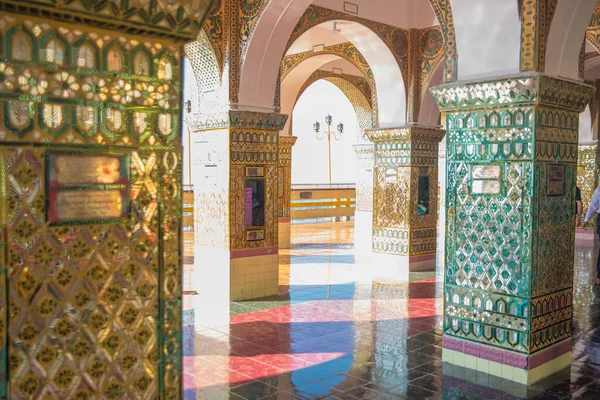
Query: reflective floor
(332,334)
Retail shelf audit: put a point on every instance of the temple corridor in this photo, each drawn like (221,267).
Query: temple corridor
(332,334)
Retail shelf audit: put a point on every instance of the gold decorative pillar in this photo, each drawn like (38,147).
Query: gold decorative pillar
(90,198)
(284,188)
(235,192)
(587,176)
(405,195)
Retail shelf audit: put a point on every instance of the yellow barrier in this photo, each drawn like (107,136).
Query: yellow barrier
(322,203)
(188,211)
(305,204)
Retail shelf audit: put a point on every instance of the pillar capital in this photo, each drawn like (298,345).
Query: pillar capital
(405,134)
(286,141)
(238,119)
(522,90)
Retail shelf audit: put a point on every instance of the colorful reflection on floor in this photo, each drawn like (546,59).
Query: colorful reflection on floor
(329,334)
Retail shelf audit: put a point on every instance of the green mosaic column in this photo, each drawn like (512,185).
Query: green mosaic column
(510,230)
(405,195)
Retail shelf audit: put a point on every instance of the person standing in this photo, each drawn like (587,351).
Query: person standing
(578,206)
(593,209)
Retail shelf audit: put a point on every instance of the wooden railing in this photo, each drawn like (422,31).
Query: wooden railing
(322,201)
(187,218)
(308,202)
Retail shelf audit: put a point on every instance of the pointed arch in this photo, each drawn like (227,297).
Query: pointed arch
(567,33)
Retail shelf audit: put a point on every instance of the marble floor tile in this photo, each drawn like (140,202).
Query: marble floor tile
(334,332)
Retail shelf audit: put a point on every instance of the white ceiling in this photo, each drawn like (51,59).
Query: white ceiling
(317,35)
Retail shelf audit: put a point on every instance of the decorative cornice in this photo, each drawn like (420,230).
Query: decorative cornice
(244,120)
(287,141)
(176,19)
(363,148)
(257,120)
(405,134)
(533,89)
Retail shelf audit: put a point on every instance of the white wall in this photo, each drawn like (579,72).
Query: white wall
(190,90)
(309,157)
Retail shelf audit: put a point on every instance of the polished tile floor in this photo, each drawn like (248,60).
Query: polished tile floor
(333,334)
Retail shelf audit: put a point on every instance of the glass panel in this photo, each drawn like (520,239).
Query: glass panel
(21,47)
(55,52)
(85,118)
(423,195)
(114,120)
(53,115)
(255,202)
(18,114)
(114,60)
(141,64)
(165,125)
(86,57)
(165,69)
(140,122)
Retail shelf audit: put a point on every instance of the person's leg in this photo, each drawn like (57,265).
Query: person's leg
(598,260)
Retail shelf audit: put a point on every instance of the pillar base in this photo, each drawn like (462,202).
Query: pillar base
(284,232)
(585,234)
(363,228)
(210,283)
(393,269)
(254,273)
(516,367)
(418,263)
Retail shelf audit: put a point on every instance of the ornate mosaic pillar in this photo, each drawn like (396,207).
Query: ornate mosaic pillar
(512,168)
(587,176)
(363,213)
(90,198)
(235,191)
(405,195)
(284,188)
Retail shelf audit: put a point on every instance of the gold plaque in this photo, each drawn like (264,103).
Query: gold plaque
(255,171)
(81,170)
(485,187)
(85,205)
(255,235)
(555,180)
(485,172)
(87,187)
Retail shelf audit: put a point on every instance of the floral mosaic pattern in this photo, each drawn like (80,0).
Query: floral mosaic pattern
(88,316)
(510,250)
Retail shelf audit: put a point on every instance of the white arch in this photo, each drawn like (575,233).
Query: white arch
(293,82)
(429,113)
(389,83)
(566,36)
(586,134)
(488,38)
(259,71)
(258,76)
